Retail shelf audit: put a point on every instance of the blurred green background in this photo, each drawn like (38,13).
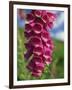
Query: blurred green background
(52,71)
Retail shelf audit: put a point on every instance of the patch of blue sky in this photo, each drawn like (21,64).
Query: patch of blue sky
(58,30)
(20,22)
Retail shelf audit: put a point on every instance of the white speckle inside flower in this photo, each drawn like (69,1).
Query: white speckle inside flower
(38,53)
(45,39)
(48,62)
(46,56)
(48,45)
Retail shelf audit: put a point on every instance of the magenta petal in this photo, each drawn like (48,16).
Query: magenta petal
(28,46)
(37,28)
(28,54)
(35,41)
(50,44)
(39,71)
(30,17)
(33,12)
(47,52)
(45,18)
(46,56)
(38,50)
(39,20)
(51,47)
(37,59)
(36,64)
(44,36)
(31,65)
(28,28)
(47,49)
(32,23)
(50,25)
(38,13)
(36,74)
(28,34)
(39,66)
(51,16)
(50,41)
(48,61)
(37,34)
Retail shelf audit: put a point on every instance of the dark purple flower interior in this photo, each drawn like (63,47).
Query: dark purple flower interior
(28,28)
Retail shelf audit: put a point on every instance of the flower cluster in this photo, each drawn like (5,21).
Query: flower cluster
(39,44)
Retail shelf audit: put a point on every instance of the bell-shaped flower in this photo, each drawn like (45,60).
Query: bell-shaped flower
(38,13)
(38,50)
(35,41)
(28,28)
(36,74)
(37,28)
(44,36)
(30,17)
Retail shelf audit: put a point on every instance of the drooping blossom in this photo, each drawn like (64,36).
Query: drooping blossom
(39,43)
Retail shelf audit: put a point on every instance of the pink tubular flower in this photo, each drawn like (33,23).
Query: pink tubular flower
(38,50)
(37,13)
(36,65)
(28,28)
(30,17)
(35,41)
(44,36)
(39,44)
(37,28)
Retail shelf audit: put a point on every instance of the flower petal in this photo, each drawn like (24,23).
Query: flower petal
(50,44)
(28,46)
(36,74)
(48,61)
(47,52)
(28,34)
(39,66)
(39,20)
(31,65)
(28,54)
(45,18)
(28,28)
(35,41)
(37,28)
(45,36)
(38,50)
(38,13)
(51,16)
(37,59)
(30,17)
